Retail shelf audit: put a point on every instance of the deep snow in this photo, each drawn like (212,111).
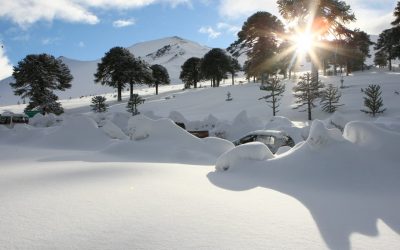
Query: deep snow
(113,181)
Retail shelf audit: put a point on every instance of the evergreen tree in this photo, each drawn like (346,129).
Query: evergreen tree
(115,69)
(307,91)
(388,44)
(215,65)
(396,14)
(276,89)
(160,75)
(234,67)
(373,100)
(330,99)
(259,40)
(36,76)
(190,73)
(132,104)
(99,104)
(380,59)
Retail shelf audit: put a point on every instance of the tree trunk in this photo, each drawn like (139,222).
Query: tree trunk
(347,68)
(314,71)
(130,89)
(390,64)
(254,79)
(119,92)
(233,78)
(195,85)
(325,66)
(309,110)
(156,88)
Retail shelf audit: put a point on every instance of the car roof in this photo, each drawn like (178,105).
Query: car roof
(276,133)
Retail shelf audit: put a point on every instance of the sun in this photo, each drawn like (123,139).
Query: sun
(303,42)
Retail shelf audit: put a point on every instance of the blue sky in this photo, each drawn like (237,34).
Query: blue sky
(86,29)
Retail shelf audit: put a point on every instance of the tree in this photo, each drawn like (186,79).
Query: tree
(115,69)
(99,104)
(233,68)
(259,40)
(215,65)
(277,89)
(36,76)
(132,104)
(380,59)
(160,75)
(373,100)
(396,14)
(190,73)
(307,91)
(330,99)
(139,72)
(321,18)
(388,44)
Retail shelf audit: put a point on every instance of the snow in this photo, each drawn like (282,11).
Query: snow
(249,151)
(113,181)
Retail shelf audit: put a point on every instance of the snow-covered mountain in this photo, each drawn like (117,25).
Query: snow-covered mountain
(171,52)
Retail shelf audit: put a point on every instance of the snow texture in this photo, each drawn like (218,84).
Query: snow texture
(249,151)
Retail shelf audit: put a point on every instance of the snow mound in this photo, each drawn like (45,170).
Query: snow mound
(249,151)
(218,145)
(77,132)
(281,123)
(320,136)
(44,121)
(371,137)
(113,131)
(283,150)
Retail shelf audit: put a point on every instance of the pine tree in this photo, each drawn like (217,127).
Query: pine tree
(160,75)
(396,14)
(36,76)
(258,39)
(190,73)
(215,65)
(133,102)
(228,96)
(330,99)
(116,69)
(373,100)
(306,92)
(99,104)
(277,89)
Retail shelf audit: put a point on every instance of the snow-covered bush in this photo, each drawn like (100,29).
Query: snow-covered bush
(321,136)
(113,131)
(47,120)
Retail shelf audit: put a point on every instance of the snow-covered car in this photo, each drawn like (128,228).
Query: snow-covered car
(274,139)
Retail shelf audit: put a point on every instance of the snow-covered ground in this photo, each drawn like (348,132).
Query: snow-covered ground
(112,181)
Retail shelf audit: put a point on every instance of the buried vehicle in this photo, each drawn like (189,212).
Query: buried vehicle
(274,139)
(9,119)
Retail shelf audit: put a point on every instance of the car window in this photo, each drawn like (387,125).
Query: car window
(246,139)
(266,139)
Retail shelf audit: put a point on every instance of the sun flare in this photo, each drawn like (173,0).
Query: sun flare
(303,42)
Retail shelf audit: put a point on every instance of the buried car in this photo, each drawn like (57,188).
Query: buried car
(274,139)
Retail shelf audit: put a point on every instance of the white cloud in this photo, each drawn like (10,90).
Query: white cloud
(25,13)
(210,32)
(6,68)
(81,44)
(228,28)
(123,23)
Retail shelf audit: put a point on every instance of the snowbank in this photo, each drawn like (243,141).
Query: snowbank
(113,131)
(283,150)
(281,123)
(373,138)
(43,121)
(320,136)
(249,151)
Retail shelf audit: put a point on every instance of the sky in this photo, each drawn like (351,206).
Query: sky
(86,29)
